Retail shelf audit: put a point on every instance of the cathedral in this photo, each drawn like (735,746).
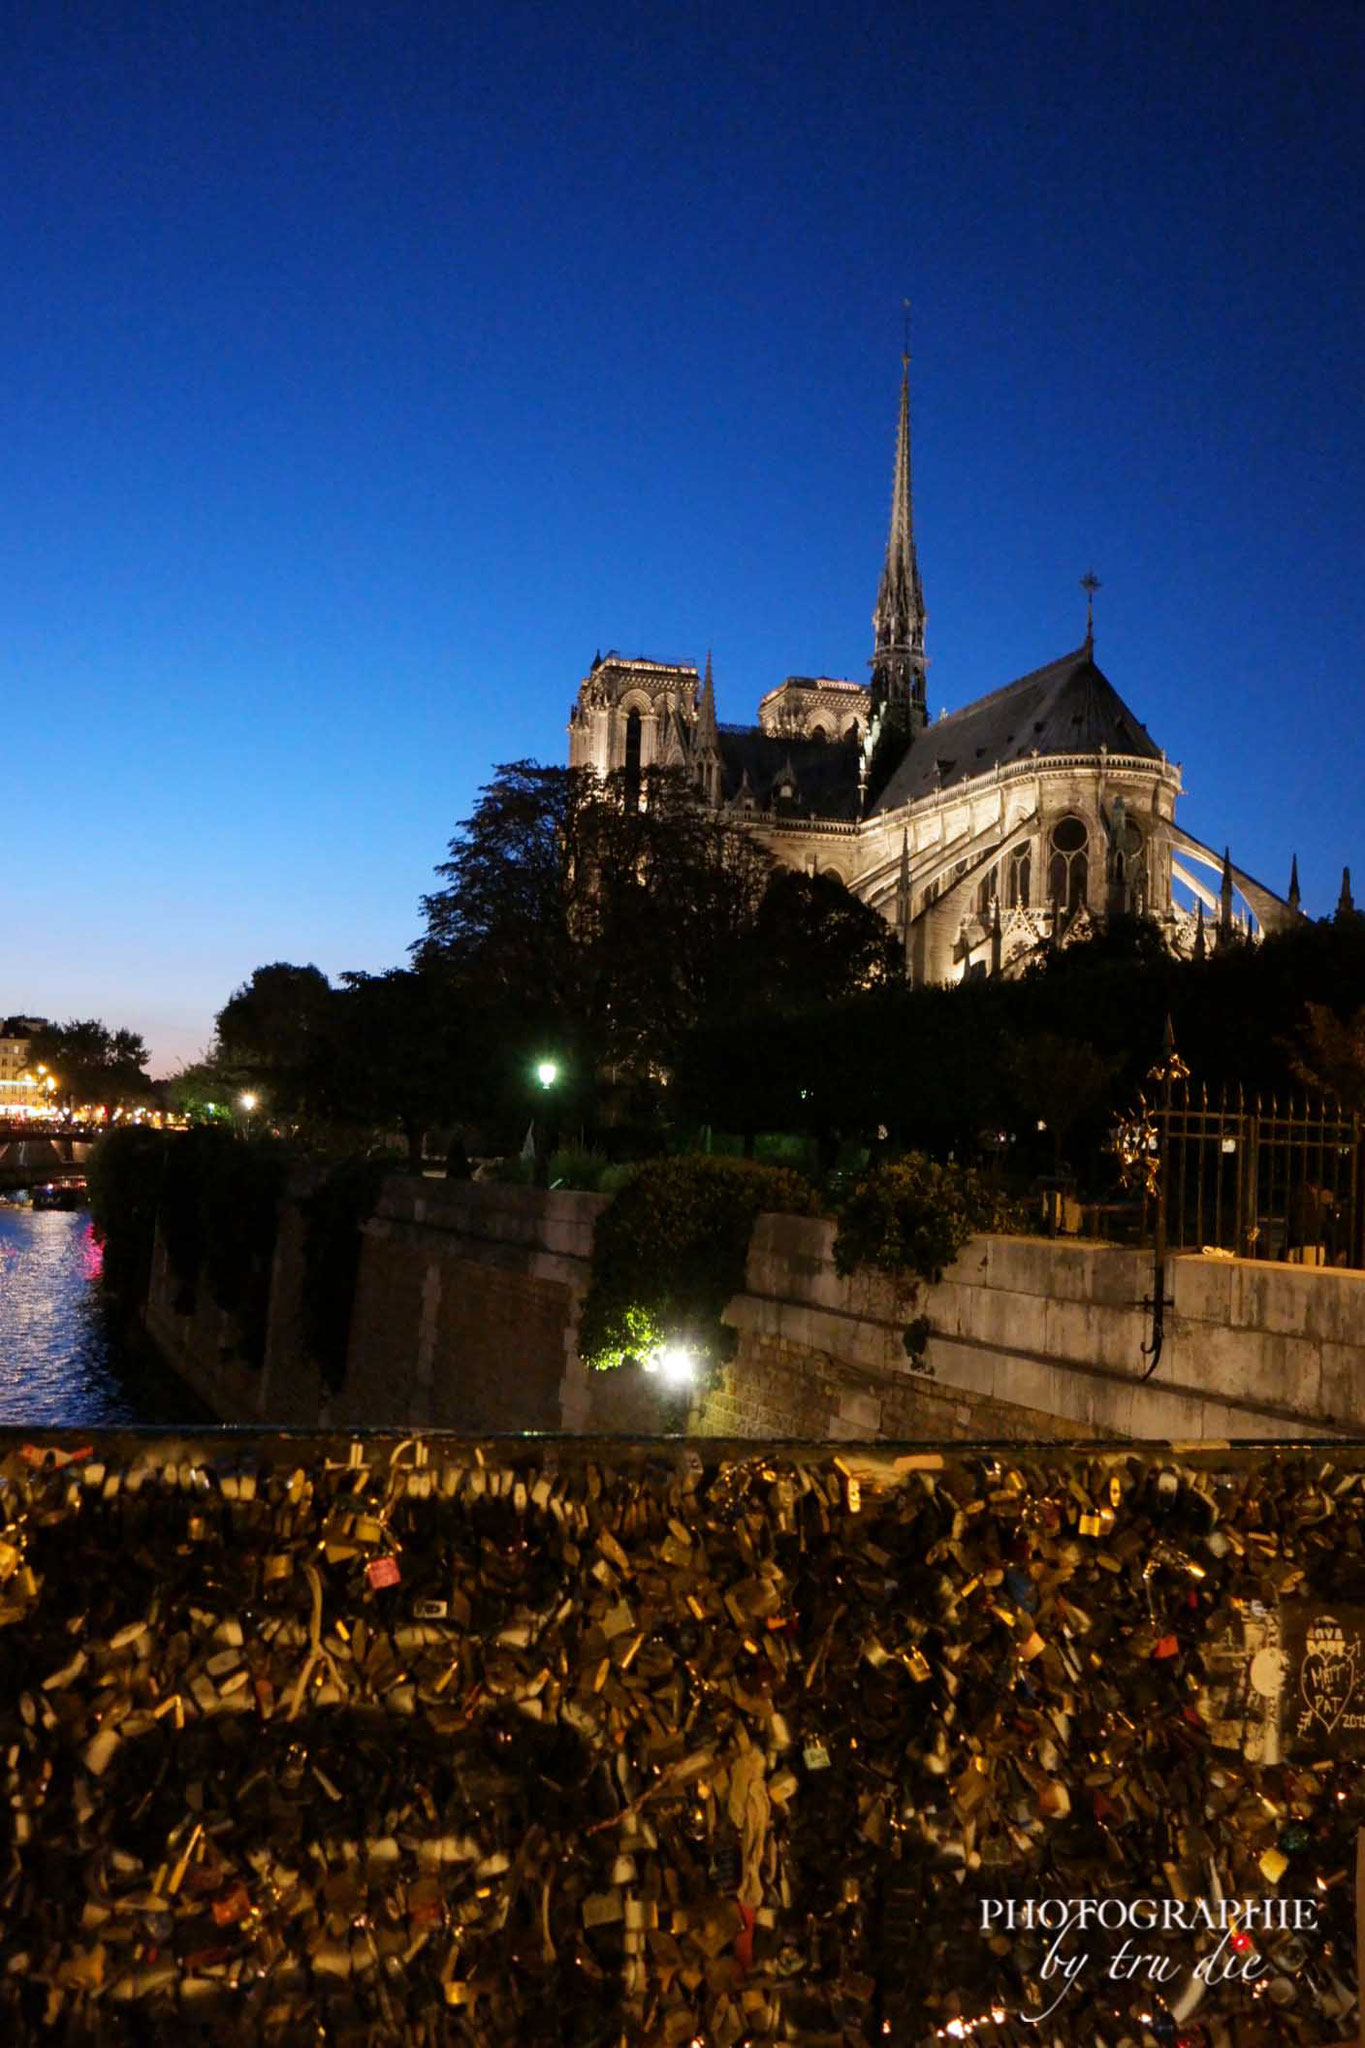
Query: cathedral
(1028,817)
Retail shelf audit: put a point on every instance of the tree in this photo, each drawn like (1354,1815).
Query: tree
(765,1052)
(91,1063)
(1125,939)
(1330,1054)
(277,1031)
(814,941)
(205,1086)
(401,1053)
(589,923)
(675,892)
(1061,1081)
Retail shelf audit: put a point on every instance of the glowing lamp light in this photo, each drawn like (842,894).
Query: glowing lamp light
(248,1101)
(677,1366)
(547,1073)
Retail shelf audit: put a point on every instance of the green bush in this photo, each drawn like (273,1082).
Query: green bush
(670,1251)
(241,1207)
(215,1198)
(334,1216)
(614,1176)
(219,1219)
(124,1175)
(512,1172)
(191,1160)
(910,1218)
(579,1167)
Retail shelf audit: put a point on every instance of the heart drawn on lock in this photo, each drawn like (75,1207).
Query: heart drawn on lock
(1329,1673)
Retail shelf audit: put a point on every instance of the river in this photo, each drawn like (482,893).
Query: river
(63,1360)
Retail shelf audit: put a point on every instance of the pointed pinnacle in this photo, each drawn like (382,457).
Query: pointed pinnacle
(900,590)
(1090,583)
(706,710)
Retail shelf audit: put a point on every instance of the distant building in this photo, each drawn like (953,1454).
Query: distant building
(1029,816)
(21,1090)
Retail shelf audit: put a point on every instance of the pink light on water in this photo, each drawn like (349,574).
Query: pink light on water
(92,1253)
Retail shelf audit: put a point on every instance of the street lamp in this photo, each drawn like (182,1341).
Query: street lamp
(547,1073)
(246,1102)
(677,1366)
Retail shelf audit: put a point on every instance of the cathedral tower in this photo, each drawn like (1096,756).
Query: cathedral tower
(632,714)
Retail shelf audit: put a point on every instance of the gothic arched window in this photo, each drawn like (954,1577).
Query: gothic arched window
(1069,868)
(1130,869)
(1019,872)
(985,894)
(632,761)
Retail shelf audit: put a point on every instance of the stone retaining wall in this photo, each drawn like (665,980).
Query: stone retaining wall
(468,1300)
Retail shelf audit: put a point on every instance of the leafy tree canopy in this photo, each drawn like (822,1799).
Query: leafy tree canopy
(401,1053)
(276,1031)
(814,941)
(605,926)
(93,1064)
(1329,1056)
(205,1087)
(1060,1081)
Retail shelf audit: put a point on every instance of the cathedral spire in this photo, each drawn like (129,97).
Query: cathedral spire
(1345,902)
(706,743)
(898,661)
(1293,897)
(1199,941)
(1225,897)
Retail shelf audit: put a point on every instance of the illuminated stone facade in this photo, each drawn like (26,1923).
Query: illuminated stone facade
(1033,814)
(21,1091)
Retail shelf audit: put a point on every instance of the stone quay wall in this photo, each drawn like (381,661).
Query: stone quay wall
(468,1299)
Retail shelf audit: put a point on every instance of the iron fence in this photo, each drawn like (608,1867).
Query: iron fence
(1249,1175)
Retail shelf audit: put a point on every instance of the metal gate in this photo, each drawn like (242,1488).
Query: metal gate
(1264,1180)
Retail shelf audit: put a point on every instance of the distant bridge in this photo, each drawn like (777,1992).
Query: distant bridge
(42,1162)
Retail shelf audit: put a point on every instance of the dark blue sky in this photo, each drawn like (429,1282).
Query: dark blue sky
(367,367)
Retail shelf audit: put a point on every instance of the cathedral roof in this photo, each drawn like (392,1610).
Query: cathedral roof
(1068,707)
(825,772)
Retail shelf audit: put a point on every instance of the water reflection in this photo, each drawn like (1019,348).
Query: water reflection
(62,1359)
